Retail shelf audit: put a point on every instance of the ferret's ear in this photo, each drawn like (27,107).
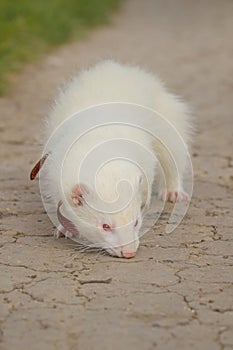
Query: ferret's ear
(77,194)
(38,166)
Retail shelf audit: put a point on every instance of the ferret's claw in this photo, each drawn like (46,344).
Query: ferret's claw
(175,196)
(60,232)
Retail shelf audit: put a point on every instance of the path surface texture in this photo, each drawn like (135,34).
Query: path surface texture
(177,292)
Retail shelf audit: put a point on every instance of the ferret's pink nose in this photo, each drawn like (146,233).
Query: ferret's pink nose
(127,255)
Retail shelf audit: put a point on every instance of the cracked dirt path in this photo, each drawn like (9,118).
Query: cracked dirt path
(177,293)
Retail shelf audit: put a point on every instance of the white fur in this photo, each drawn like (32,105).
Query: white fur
(106,82)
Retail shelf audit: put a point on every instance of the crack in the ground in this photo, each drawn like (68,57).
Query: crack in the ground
(37,270)
(215,235)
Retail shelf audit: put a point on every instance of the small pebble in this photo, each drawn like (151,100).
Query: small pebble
(68,265)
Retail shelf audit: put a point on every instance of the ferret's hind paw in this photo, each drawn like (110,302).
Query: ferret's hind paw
(175,196)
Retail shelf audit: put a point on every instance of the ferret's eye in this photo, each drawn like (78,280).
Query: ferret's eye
(106,227)
(136,222)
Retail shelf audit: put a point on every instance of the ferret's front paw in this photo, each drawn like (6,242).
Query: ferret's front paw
(175,196)
(60,232)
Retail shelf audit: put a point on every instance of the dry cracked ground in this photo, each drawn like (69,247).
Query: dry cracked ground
(177,293)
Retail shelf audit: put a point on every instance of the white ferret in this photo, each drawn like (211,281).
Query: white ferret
(117,232)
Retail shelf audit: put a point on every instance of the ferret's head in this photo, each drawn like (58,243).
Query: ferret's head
(116,231)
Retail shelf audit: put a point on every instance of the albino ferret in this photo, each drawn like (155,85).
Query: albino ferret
(117,232)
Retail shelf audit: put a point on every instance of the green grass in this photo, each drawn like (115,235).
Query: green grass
(29,28)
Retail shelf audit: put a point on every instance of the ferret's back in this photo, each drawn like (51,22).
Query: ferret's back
(109,81)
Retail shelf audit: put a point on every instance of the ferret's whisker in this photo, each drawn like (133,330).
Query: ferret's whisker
(148,241)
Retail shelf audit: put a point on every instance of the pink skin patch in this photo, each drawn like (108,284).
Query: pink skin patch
(77,194)
(175,196)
